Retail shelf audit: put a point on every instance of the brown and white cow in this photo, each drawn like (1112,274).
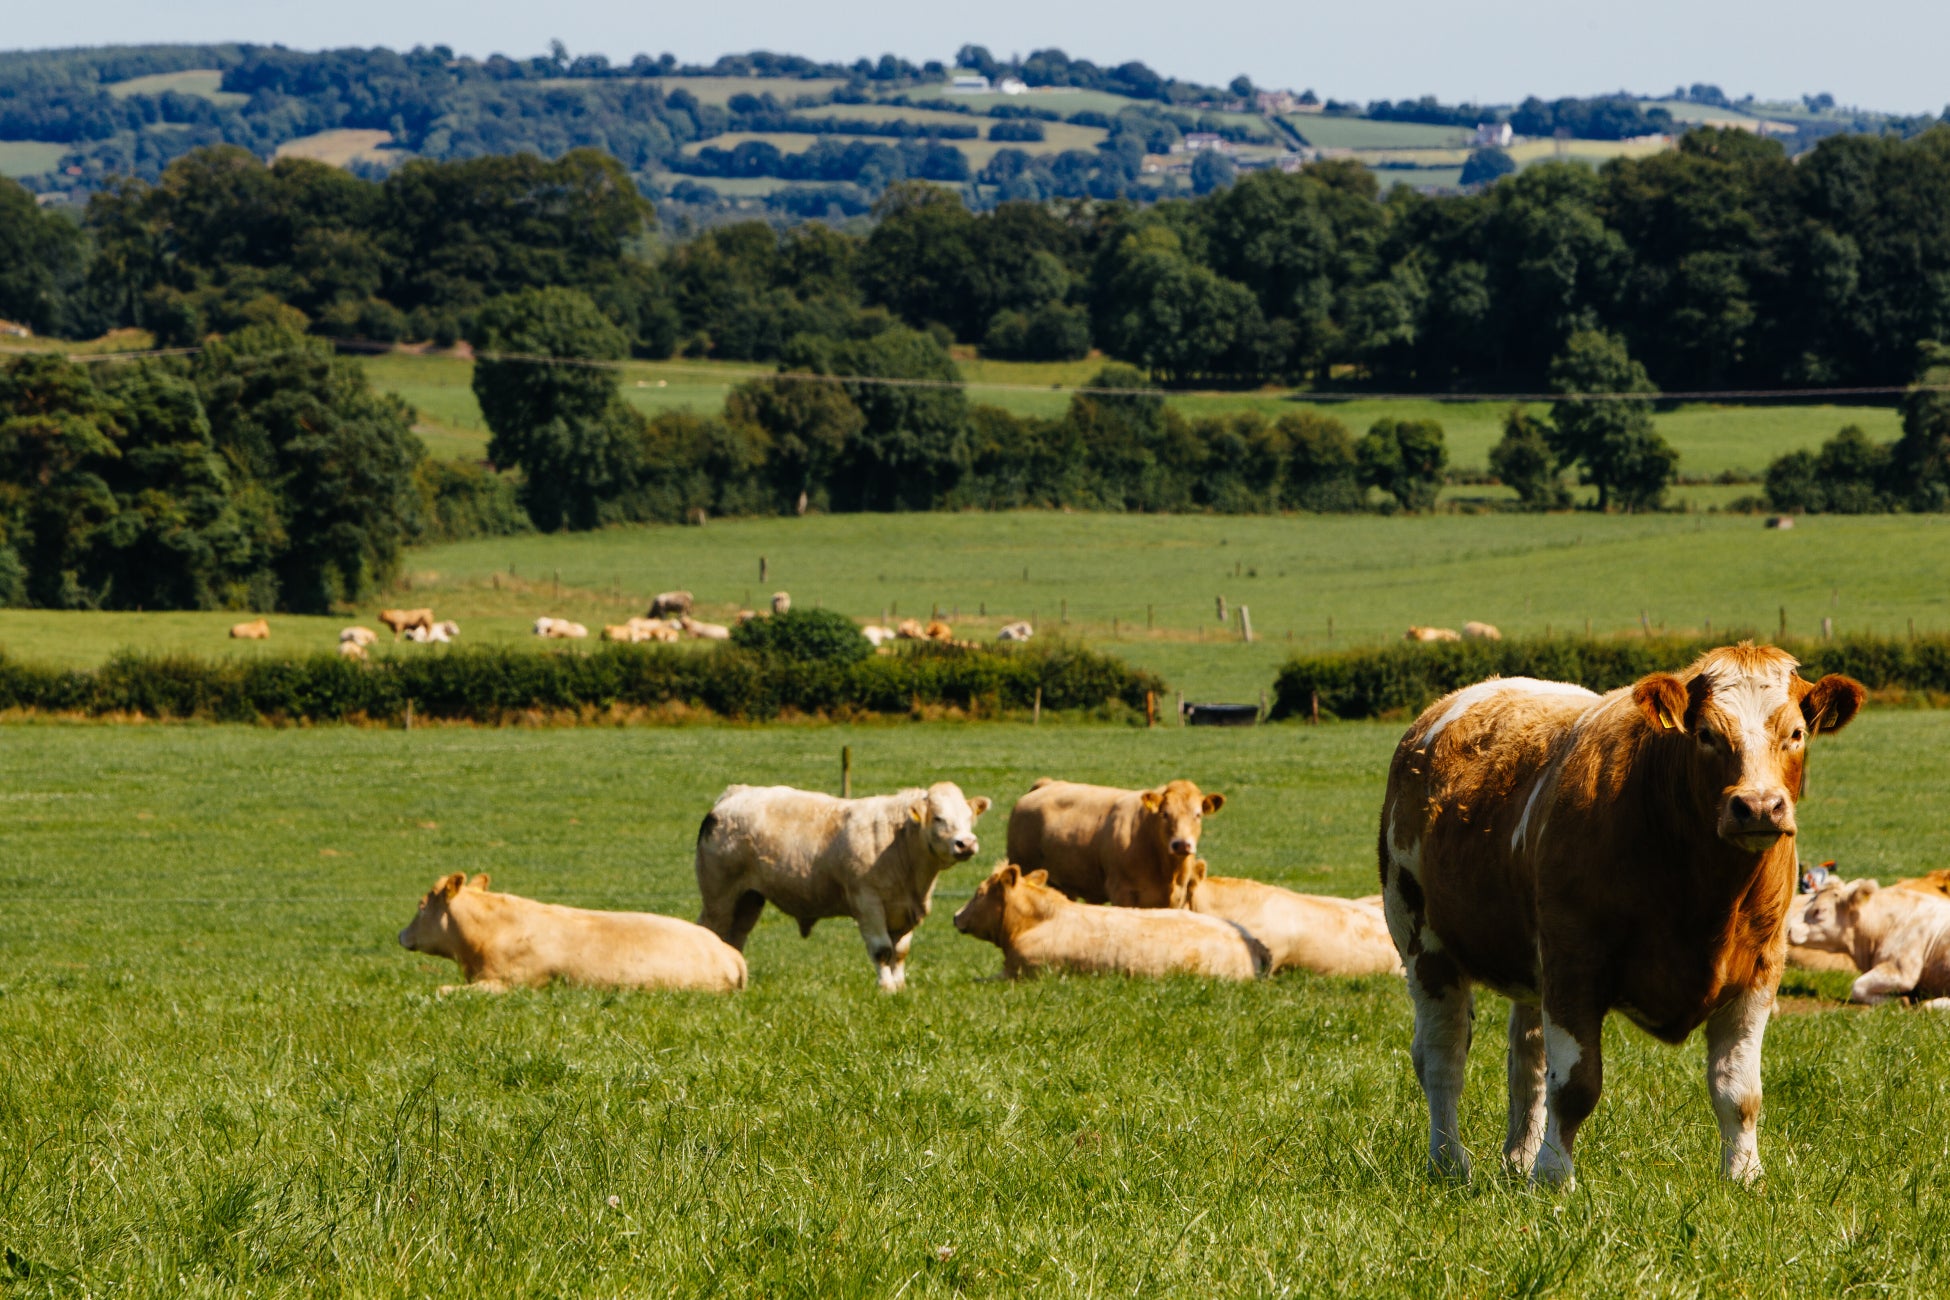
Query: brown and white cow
(1583,854)
(1899,938)
(671,604)
(1311,932)
(1039,928)
(1133,848)
(401,619)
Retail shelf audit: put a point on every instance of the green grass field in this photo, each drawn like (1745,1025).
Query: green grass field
(1325,132)
(223,1076)
(1107,574)
(29,157)
(1058,137)
(204,83)
(1063,102)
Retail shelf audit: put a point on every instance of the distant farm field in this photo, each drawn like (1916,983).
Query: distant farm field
(223,1075)
(1057,138)
(1325,132)
(204,83)
(29,157)
(1061,102)
(339,148)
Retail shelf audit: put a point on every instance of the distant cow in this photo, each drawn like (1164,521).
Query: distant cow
(352,650)
(878,636)
(936,630)
(503,941)
(1805,958)
(559,629)
(1015,632)
(258,629)
(1936,882)
(670,604)
(436,634)
(781,602)
(1419,633)
(706,631)
(401,619)
(619,632)
(910,629)
(1328,936)
(1582,854)
(1134,848)
(1039,928)
(813,856)
(1474,631)
(1899,938)
(362,636)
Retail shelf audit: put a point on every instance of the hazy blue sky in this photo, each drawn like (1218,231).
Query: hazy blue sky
(1888,55)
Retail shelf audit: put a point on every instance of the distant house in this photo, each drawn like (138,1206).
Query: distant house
(13,330)
(969,83)
(1203,142)
(1493,135)
(1013,86)
(1275,101)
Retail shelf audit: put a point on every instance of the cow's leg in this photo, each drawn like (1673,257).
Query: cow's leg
(872,919)
(730,910)
(1733,1035)
(1891,979)
(1574,1076)
(1526,1067)
(1443,1023)
(900,959)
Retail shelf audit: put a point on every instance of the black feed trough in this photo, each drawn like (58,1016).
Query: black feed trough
(1221,715)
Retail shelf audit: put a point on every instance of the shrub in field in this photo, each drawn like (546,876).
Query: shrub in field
(820,635)
(490,684)
(1402,679)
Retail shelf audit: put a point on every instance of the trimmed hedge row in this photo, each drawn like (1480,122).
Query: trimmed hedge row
(491,684)
(1405,678)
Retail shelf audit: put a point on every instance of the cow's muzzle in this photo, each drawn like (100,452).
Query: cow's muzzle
(965,848)
(406,938)
(1755,819)
(1184,848)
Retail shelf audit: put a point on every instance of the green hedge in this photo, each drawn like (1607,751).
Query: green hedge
(1405,678)
(490,684)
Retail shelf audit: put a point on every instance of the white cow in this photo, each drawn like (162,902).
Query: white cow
(813,856)
(879,636)
(1019,631)
(1898,938)
(359,636)
(705,631)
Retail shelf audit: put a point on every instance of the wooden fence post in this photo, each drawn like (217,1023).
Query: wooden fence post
(1150,708)
(846,771)
(1036,714)
(1221,604)
(1178,701)
(1313,711)
(1245,624)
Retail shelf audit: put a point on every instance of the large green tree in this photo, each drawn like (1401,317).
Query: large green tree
(1405,459)
(1610,438)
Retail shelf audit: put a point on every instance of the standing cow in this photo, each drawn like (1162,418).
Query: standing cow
(1583,853)
(813,856)
(1134,848)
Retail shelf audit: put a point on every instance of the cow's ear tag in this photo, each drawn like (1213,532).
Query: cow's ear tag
(914,811)
(1665,720)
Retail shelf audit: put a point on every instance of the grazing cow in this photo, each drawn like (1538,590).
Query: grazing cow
(352,650)
(1419,633)
(503,941)
(936,630)
(781,602)
(401,619)
(362,636)
(1134,848)
(1474,631)
(813,856)
(1898,937)
(1583,853)
(1328,936)
(258,629)
(670,604)
(706,631)
(877,636)
(1936,882)
(910,629)
(1015,632)
(1039,928)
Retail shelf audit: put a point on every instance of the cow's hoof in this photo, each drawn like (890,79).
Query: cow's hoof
(1554,1170)
(1449,1164)
(1744,1169)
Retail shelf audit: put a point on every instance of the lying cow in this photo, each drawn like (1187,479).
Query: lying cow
(361,636)
(502,941)
(401,619)
(559,629)
(1936,882)
(878,636)
(1419,633)
(1134,848)
(1328,936)
(1020,631)
(670,604)
(781,602)
(910,629)
(705,631)
(1039,928)
(437,634)
(1898,938)
(1801,957)
(813,856)
(258,629)
(1583,854)
(352,650)
(936,630)
(1474,631)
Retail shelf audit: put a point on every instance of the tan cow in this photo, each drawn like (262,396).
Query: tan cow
(813,856)
(705,631)
(1804,958)
(1936,882)
(258,629)
(781,602)
(1419,633)
(352,650)
(670,604)
(1899,938)
(1134,848)
(1474,631)
(559,629)
(1039,928)
(1582,854)
(362,636)
(619,632)
(503,941)
(401,619)
(910,629)
(936,630)
(1328,936)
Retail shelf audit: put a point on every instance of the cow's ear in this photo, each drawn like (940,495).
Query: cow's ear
(1152,800)
(1197,871)
(1008,873)
(1832,702)
(1859,890)
(1214,802)
(480,881)
(980,804)
(917,811)
(1662,699)
(450,885)
(1037,877)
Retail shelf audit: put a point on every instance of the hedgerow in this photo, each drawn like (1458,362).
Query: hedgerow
(494,684)
(1405,678)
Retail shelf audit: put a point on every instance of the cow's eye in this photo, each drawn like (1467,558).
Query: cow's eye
(1796,736)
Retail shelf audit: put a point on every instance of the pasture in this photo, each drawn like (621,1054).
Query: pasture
(1323,131)
(204,83)
(224,1076)
(340,148)
(1101,578)
(29,157)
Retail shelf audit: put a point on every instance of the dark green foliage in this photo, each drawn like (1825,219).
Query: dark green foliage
(1919,463)
(820,635)
(1850,475)
(1611,439)
(912,443)
(1405,459)
(42,263)
(495,684)
(459,500)
(1523,461)
(1486,165)
(1400,680)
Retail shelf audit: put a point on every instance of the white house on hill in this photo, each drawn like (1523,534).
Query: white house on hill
(1493,135)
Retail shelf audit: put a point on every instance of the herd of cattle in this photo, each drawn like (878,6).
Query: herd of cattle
(1578,853)
(669,619)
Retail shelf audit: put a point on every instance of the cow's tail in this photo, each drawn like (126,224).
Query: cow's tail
(705,827)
